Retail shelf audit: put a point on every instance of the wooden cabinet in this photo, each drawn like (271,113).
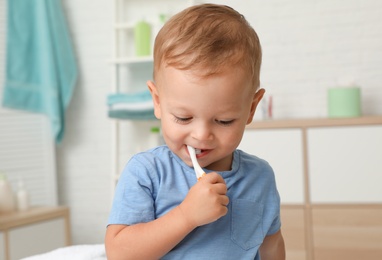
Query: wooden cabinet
(328,172)
(32,232)
(345,182)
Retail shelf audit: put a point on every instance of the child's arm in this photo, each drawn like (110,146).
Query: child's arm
(273,247)
(204,203)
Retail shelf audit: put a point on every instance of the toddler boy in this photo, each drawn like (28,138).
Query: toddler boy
(205,91)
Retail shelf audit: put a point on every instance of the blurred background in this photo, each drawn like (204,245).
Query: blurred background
(308,47)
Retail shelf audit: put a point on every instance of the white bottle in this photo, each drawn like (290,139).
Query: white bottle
(22,196)
(7,201)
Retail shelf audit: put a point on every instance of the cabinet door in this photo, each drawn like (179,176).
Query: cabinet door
(283,150)
(345,164)
(37,238)
(347,232)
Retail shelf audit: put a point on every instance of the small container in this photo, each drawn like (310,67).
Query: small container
(22,197)
(7,201)
(142,39)
(344,102)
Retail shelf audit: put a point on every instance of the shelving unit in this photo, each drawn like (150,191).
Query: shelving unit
(129,72)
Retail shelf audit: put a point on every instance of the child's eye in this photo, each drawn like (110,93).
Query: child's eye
(225,122)
(182,120)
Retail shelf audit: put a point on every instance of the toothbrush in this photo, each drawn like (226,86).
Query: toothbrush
(198,170)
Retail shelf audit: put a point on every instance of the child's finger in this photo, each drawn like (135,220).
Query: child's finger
(220,188)
(213,177)
(224,200)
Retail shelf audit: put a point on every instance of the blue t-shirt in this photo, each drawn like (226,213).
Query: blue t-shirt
(156,181)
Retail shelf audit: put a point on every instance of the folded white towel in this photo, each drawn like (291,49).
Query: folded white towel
(143,106)
(77,252)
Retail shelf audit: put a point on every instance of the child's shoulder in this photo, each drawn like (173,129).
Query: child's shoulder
(161,152)
(251,159)
(252,163)
(153,158)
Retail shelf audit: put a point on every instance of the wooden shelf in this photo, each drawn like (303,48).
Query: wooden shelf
(36,214)
(315,122)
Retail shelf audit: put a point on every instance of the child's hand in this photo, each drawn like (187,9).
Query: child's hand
(206,201)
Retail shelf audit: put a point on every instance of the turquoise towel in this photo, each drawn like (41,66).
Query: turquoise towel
(137,106)
(136,97)
(41,69)
(132,115)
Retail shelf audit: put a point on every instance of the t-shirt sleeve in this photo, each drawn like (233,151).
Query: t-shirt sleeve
(133,200)
(273,205)
(276,225)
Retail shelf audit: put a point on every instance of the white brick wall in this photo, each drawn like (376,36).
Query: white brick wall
(307,45)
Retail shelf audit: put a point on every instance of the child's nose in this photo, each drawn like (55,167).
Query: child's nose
(202,132)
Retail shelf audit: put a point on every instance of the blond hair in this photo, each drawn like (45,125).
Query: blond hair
(209,39)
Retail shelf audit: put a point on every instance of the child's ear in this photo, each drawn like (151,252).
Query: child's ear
(255,102)
(155,95)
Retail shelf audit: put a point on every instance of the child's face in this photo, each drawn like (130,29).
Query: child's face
(209,114)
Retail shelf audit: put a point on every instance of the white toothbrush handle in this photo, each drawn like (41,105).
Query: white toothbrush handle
(198,170)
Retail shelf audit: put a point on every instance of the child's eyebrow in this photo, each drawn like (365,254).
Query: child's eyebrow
(180,110)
